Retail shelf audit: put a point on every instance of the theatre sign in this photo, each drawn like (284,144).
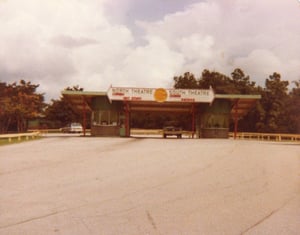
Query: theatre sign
(161,94)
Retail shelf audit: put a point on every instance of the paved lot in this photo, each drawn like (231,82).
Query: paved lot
(76,185)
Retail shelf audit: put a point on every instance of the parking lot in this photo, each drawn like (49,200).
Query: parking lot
(67,184)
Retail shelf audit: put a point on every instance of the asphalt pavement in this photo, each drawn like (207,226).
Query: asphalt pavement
(67,184)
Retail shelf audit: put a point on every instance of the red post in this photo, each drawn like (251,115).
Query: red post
(127,119)
(193,120)
(84,118)
(235,119)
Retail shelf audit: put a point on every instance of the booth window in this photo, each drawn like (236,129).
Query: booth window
(105,117)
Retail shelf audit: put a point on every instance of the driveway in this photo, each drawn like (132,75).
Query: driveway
(84,185)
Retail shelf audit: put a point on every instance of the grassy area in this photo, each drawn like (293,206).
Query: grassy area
(5,141)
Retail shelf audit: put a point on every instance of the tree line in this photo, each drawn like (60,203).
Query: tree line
(277,111)
(19,102)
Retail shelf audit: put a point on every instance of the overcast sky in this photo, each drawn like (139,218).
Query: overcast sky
(98,43)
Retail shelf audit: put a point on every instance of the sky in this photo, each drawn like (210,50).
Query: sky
(145,43)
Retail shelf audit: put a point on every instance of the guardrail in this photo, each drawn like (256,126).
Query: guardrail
(239,135)
(19,136)
(266,136)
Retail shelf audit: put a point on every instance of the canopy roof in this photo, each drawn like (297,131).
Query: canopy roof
(241,104)
(81,102)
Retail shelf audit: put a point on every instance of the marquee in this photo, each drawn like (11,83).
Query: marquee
(160,94)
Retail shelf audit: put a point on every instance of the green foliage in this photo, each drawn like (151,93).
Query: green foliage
(74,88)
(277,111)
(60,113)
(219,82)
(17,140)
(238,83)
(242,83)
(20,102)
(187,81)
(293,109)
(274,102)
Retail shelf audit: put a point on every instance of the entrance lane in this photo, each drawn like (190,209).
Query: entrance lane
(80,185)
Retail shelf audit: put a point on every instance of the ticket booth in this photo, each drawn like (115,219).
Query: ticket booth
(214,120)
(106,118)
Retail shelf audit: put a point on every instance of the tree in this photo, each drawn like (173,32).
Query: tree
(273,118)
(5,110)
(293,109)
(242,83)
(60,112)
(221,83)
(187,81)
(74,88)
(277,111)
(20,103)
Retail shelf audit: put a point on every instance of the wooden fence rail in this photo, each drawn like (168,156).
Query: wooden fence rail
(240,135)
(266,136)
(19,136)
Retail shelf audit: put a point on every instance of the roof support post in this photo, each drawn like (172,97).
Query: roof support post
(127,119)
(236,118)
(193,120)
(84,117)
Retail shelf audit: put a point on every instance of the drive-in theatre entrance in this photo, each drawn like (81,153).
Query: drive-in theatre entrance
(110,111)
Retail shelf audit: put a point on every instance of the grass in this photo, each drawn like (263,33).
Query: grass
(5,141)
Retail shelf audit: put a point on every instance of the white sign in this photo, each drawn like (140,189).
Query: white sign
(161,94)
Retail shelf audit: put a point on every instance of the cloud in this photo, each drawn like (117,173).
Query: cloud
(196,46)
(97,43)
(260,37)
(58,42)
(261,63)
(71,42)
(152,65)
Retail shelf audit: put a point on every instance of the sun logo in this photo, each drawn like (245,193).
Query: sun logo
(160,95)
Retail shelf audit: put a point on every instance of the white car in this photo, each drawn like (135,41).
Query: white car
(72,128)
